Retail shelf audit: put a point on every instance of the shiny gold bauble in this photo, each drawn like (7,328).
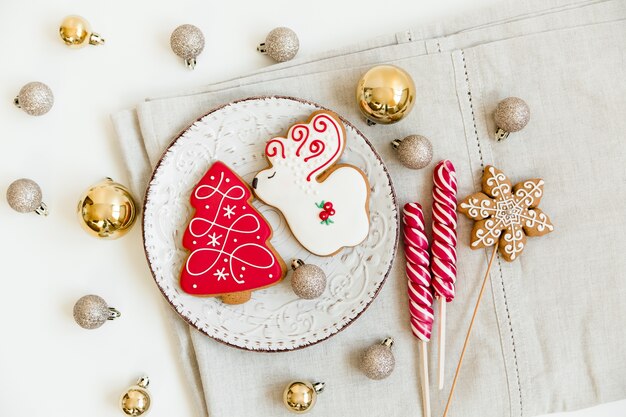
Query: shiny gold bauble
(107,210)
(76,33)
(136,400)
(385,94)
(300,397)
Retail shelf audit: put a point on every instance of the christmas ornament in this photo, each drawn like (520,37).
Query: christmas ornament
(512,114)
(419,288)
(107,210)
(377,361)
(91,312)
(414,151)
(385,94)
(307,281)
(504,216)
(231,255)
(76,32)
(24,196)
(300,396)
(443,250)
(35,98)
(187,41)
(281,44)
(136,400)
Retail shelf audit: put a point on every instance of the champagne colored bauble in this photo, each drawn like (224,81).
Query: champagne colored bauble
(107,210)
(511,115)
(385,94)
(24,196)
(307,281)
(76,32)
(35,98)
(300,396)
(91,312)
(378,361)
(281,44)
(414,151)
(136,400)
(187,41)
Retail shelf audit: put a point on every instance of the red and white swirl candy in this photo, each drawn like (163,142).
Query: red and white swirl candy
(444,230)
(418,272)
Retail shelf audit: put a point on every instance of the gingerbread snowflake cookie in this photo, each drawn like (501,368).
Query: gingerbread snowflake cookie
(505,214)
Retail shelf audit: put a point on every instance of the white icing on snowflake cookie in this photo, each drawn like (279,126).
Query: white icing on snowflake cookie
(325,204)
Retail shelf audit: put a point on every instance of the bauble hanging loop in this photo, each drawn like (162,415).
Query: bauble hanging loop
(136,401)
(378,361)
(25,196)
(76,33)
(385,94)
(91,312)
(187,41)
(300,396)
(35,98)
(281,44)
(307,281)
(107,210)
(511,115)
(414,151)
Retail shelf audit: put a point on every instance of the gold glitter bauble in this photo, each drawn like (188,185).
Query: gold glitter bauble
(414,151)
(378,361)
(512,115)
(307,281)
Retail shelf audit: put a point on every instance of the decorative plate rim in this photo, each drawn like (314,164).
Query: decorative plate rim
(350,318)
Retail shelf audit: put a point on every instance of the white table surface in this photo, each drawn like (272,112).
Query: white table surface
(48,365)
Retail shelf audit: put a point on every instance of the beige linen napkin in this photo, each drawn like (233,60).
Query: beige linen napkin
(549,331)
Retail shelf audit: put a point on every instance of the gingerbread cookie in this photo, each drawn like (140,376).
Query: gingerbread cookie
(229,241)
(325,204)
(505,214)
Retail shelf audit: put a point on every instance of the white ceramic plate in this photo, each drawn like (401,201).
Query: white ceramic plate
(274,319)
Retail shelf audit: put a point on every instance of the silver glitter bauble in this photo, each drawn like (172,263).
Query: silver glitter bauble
(91,312)
(187,41)
(378,361)
(281,44)
(511,115)
(24,196)
(414,151)
(308,281)
(35,99)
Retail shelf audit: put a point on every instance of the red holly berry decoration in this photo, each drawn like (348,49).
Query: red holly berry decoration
(327,211)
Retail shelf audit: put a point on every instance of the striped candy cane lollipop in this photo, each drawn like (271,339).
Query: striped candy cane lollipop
(419,288)
(444,247)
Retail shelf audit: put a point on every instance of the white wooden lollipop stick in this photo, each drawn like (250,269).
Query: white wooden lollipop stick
(424,377)
(442,340)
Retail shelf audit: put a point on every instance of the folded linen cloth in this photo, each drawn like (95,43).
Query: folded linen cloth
(547,331)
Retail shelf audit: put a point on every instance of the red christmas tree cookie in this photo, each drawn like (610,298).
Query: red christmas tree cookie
(229,241)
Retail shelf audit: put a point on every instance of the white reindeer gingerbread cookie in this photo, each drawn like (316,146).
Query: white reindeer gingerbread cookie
(325,204)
